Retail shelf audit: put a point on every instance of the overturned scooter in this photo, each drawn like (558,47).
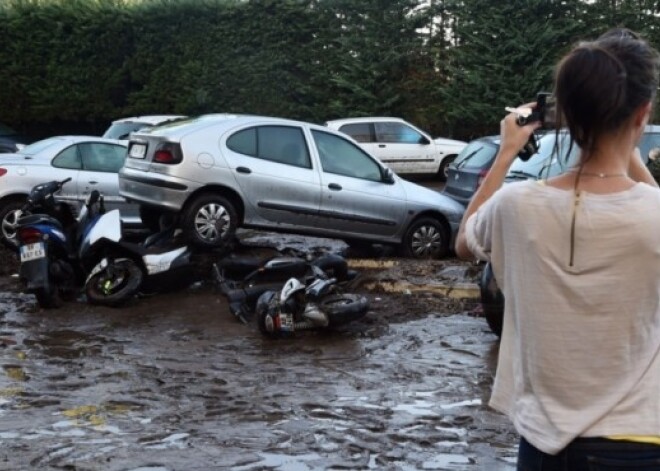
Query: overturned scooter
(153,265)
(243,279)
(316,306)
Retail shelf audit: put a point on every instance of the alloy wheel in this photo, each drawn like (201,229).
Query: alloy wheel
(427,241)
(9,226)
(212,221)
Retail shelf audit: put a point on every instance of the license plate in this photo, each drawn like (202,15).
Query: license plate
(286,322)
(138,151)
(32,251)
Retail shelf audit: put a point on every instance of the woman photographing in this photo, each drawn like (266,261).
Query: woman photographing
(578,260)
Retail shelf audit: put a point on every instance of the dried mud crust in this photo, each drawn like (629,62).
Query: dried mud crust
(397,287)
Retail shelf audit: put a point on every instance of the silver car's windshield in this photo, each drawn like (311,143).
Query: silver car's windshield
(39,146)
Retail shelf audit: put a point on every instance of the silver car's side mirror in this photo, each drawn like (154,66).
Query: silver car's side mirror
(388,176)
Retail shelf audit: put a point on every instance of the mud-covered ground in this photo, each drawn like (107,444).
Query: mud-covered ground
(174,382)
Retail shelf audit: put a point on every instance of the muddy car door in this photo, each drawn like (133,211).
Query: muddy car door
(272,165)
(356,198)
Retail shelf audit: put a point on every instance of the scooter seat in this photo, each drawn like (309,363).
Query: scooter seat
(273,269)
(236,268)
(35,219)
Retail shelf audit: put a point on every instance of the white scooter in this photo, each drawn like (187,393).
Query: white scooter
(119,269)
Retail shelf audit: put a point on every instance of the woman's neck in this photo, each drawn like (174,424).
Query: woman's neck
(611,155)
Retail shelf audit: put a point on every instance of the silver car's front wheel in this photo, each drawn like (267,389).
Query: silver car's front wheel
(210,221)
(426,238)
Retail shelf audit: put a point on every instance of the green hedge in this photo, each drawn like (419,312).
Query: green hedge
(74,65)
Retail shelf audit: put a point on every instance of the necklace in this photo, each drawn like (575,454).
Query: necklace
(598,174)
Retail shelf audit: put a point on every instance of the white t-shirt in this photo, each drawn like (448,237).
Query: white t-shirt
(580,348)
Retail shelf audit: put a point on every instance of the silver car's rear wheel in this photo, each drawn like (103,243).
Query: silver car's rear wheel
(210,221)
(426,238)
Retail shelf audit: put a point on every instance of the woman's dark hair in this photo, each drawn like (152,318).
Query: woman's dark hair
(601,83)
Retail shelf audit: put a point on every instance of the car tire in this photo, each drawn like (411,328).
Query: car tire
(210,221)
(492,300)
(8,219)
(444,167)
(426,238)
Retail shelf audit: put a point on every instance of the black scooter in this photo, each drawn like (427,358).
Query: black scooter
(299,307)
(243,279)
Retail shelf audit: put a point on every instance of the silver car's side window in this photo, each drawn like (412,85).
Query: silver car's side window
(68,158)
(396,133)
(342,157)
(244,142)
(281,144)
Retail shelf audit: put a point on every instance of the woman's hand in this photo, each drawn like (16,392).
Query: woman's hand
(639,171)
(513,139)
(513,136)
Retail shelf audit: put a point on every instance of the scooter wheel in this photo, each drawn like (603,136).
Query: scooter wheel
(49,298)
(344,308)
(116,284)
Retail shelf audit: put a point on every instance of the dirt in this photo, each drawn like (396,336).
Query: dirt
(175,382)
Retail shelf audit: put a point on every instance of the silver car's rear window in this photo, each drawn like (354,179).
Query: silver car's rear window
(122,130)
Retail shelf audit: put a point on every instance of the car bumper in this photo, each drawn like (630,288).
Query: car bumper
(464,200)
(155,190)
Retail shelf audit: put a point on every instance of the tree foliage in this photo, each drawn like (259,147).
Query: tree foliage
(448,65)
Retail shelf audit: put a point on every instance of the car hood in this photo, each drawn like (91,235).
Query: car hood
(449,142)
(419,195)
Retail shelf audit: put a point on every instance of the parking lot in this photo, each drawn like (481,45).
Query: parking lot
(175,382)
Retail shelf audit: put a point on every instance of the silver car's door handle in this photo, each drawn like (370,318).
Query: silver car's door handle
(334,186)
(93,182)
(243,170)
(382,145)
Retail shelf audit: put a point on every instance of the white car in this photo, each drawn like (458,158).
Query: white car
(91,162)
(403,147)
(122,128)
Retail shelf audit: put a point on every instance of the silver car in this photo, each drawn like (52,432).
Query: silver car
(221,172)
(91,162)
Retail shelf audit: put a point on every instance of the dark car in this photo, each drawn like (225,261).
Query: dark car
(466,173)
(10,140)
